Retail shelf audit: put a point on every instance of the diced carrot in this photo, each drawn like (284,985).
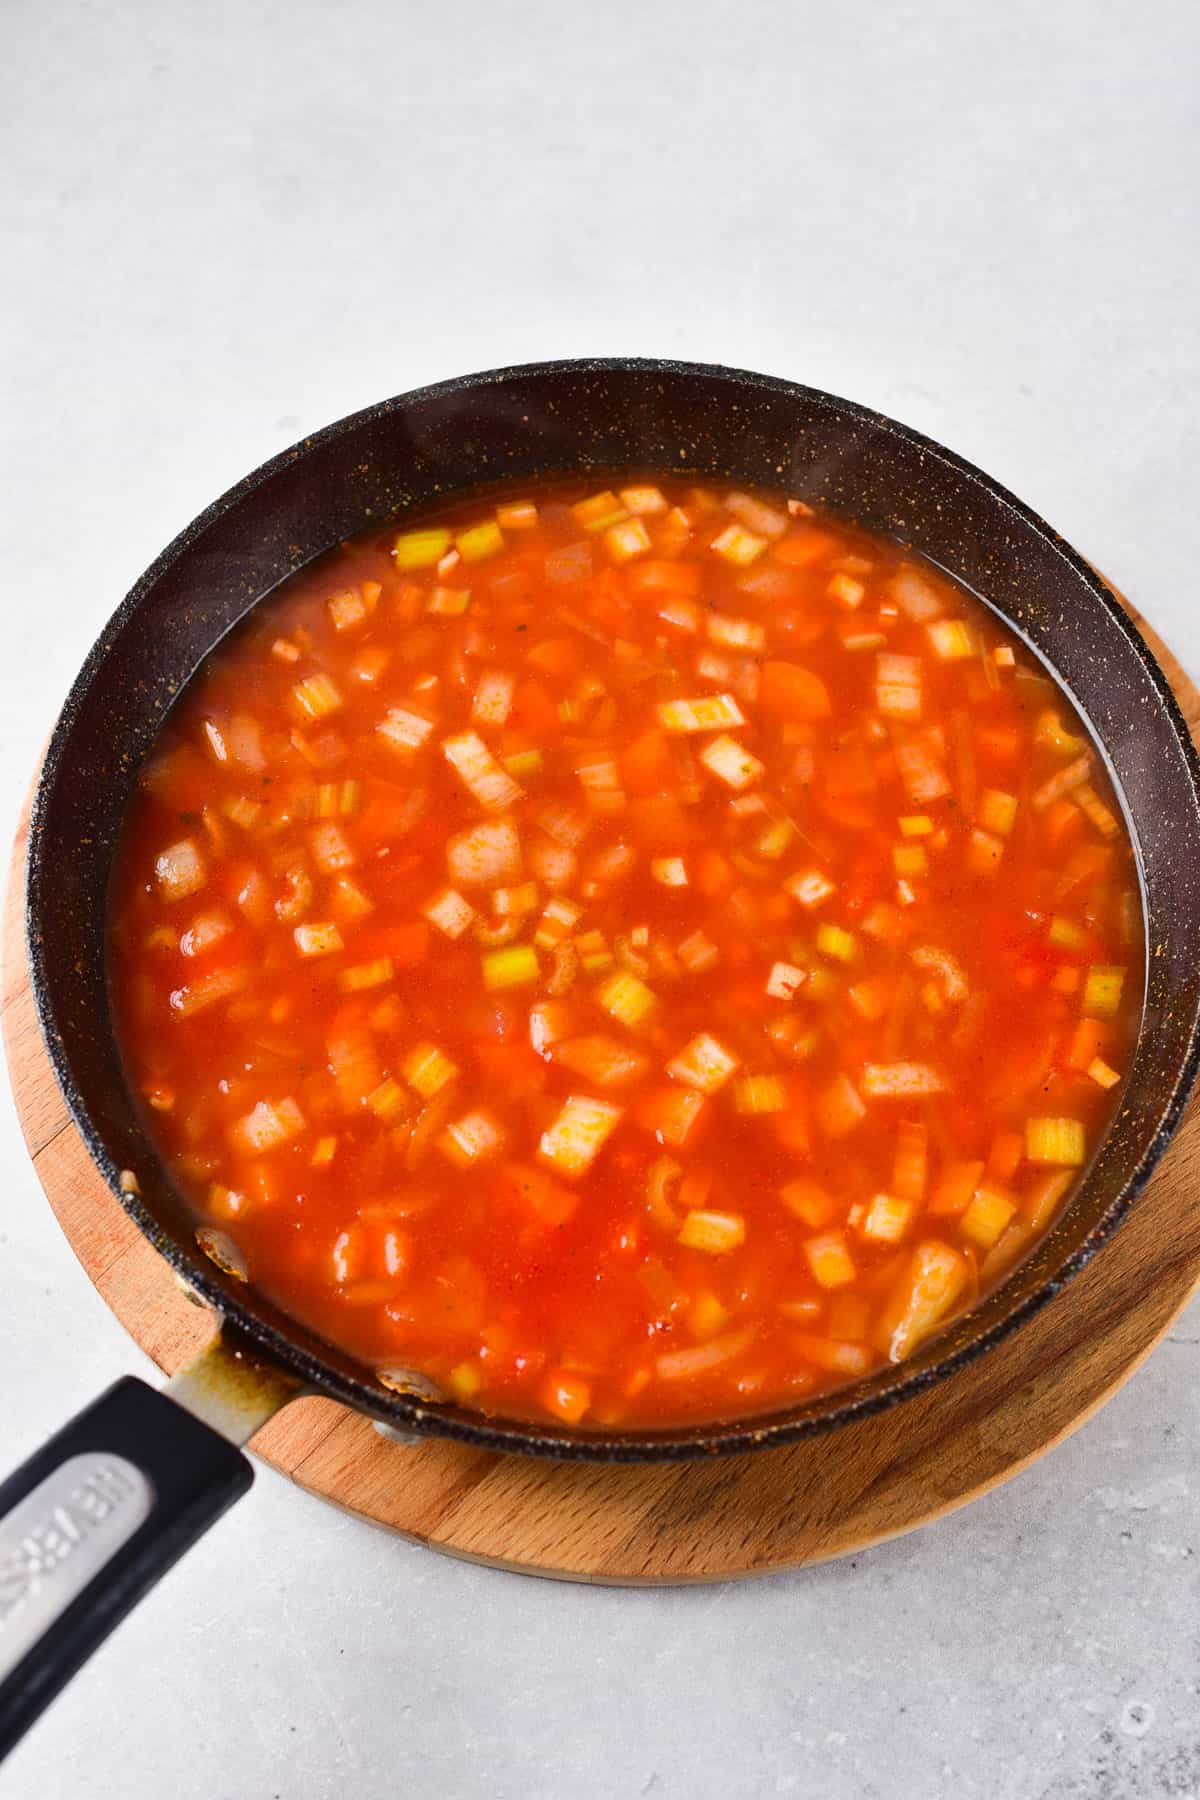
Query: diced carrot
(648,767)
(648,577)
(810,1202)
(1004,1157)
(675,1115)
(956,1187)
(791,692)
(1087,1041)
(791,1128)
(1061,823)
(560,656)
(406,943)
(533,712)
(801,548)
(713,874)
(537,1191)
(910,1161)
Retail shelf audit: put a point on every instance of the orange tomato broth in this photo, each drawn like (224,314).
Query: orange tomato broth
(633,956)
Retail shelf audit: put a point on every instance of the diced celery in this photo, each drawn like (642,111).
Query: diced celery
(829,1259)
(366,975)
(783,980)
(404,729)
(516,966)
(318,940)
(759,1094)
(846,591)
(714,1232)
(910,860)
(599,511)
(1102,990)
(388,1101)
(268,1126)
(1065,933)
(180,870)
(900,1081)
(643,501)
(731,763)
(670,871)
(737,546)
(698,953)
(316,696)
(1094,809)
(485,854)
(997,811)
(1051,734)
(626,998)
(420,549)
(469,1139)
(810,888)
(708,712)
(428,1070)
(836,943)
(735,634)
(626,539)
(1060,1142)
(886,1219)
(952,639)
(522,765)
(703,1063)
(449,912)
(479,541)
(578,1134)
(479,771)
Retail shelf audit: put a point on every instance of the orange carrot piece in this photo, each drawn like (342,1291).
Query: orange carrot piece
(791,692)
(648,767)
(651,576)
(1004,1157)
(675,1115)
(956,1188)
(1088,1041)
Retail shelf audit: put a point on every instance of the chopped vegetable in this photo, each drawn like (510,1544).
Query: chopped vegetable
(730,763)
(1055,1141)
(318,940)
(471,759)
(715,1232)
(626,998)
(579,1133)
(710,712)
(420,549)
(1102,990)
(517,967)
(704,1064)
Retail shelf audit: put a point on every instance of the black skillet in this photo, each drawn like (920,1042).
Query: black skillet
(97,1515)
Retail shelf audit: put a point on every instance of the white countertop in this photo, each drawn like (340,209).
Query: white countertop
(223,225)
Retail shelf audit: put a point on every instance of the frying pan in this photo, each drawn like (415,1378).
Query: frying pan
(97,1515)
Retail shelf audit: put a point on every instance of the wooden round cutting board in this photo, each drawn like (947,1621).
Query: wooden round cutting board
(668,1522)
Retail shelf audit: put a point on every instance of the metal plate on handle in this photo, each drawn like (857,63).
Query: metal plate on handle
(58,1538)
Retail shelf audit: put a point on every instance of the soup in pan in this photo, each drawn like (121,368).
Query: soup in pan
(630,952)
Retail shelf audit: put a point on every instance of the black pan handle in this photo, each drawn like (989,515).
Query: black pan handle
(89,1524)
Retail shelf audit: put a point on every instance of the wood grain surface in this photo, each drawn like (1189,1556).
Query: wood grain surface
(675,1522)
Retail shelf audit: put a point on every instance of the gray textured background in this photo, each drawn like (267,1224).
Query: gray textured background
(223,225)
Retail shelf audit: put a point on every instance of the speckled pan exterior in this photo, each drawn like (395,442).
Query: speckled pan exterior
(536,421)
